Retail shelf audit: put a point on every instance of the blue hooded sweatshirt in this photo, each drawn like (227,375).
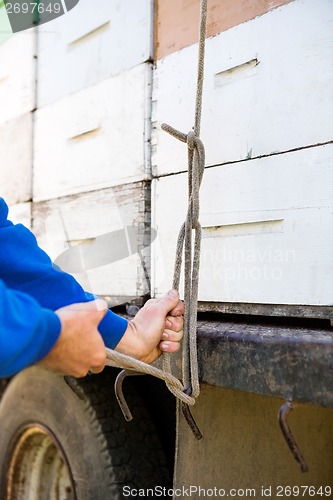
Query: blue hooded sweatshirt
(31,288)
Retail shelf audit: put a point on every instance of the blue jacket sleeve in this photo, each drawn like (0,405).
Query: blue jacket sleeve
(25,267)
(27,331)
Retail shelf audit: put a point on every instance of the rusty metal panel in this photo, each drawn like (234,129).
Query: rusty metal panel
(293,363)
(243,449)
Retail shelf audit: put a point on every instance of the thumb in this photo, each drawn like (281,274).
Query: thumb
(168,301)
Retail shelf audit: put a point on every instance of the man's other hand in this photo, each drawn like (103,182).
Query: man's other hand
(80,347)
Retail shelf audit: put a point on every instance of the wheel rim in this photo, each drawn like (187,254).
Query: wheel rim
(38,467)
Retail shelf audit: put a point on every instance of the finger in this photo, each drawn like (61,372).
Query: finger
(96,370)
(98,366)
(79,373)
(172,335)
(169,346)
(178,310)
(175,323)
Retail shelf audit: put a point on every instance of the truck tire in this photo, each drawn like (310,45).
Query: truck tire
(67,441)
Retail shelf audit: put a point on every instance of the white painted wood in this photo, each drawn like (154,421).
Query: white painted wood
(92,43)
(268,88)
(17,75)
(20,214)
(267,229)
(80,220)
(5,27)
(94,138)
(16,159)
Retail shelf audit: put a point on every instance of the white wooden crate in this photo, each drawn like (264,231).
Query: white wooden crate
(20,214)
(92,43)
(17,75)
(110,228)
(94,138)
(267,229)
(267,88)
(16,159)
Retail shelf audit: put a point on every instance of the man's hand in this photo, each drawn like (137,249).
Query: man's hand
(157,327)
(80,347)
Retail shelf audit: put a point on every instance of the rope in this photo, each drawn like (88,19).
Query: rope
(128,363)
(196,166)
(190,389)
(196,154)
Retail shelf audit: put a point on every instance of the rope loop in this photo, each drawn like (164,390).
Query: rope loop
(196,166)
(127,363)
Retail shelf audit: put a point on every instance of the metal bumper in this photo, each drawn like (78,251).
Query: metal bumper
(294,363)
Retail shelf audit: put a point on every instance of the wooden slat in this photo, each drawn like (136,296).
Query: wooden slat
(267,229)
(16,159)
(94,138)
(176,21)
(91,44)
(20,214)
(267,88)
(5,27)
(17,76)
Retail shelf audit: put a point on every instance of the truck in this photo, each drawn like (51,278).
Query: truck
(85,164)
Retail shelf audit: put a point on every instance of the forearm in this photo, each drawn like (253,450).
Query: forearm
(27,331)
(25,267)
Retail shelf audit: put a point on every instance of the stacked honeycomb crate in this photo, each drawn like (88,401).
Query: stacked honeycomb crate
(89,180)
(76,159)
(266,198)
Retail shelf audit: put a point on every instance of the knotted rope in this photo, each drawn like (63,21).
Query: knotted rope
(196,165)
(190,389)
(137,367)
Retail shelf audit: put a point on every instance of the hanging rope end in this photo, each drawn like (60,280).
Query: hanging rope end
(174,132)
